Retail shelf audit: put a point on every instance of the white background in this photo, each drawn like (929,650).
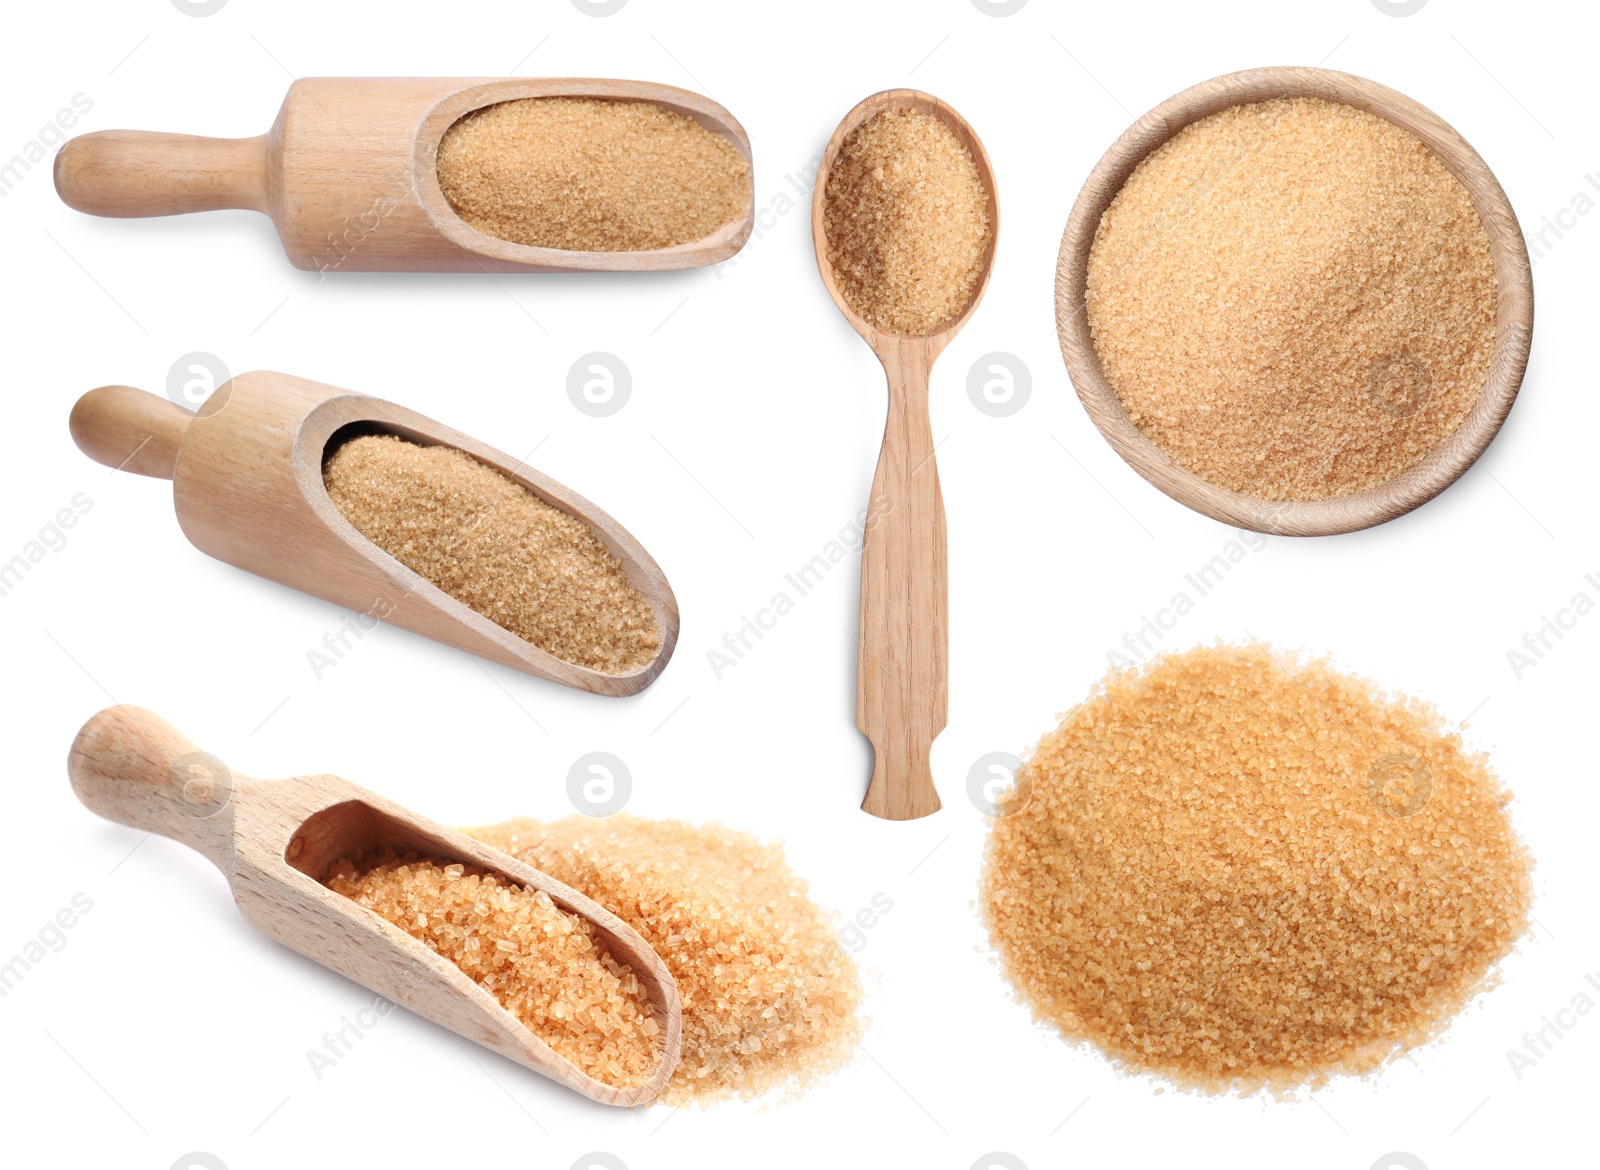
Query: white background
(166,1025)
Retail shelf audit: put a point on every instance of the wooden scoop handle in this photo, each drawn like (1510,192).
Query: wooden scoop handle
(902,661)
(133,768)
(129,429)
(135,173)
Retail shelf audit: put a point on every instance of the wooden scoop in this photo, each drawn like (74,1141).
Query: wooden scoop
(347,173)
(903,659)
(246,475)
(277,840)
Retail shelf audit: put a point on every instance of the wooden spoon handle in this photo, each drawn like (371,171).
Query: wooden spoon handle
(902,662)
(135,173)
(129,429)
(133,768)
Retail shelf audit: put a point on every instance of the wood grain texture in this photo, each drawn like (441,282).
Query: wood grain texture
(902,661)
(348,175)
(1419,483)
(129,429)
(275,842)
(247,486)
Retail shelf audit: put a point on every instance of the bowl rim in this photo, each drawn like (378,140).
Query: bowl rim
(1347,513)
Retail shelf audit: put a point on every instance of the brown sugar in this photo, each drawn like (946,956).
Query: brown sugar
(906,218)
(544,965)
(590,175)
(770,999)
(496,547)
(1241,871)
(1294,299)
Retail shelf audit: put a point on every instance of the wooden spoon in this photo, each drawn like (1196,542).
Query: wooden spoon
(903,658)
(246,475)
(347,173)
(276,841)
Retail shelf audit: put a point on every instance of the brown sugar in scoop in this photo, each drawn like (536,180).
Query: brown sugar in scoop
(590,175)
(1237,871)
(544,965)
(495,547)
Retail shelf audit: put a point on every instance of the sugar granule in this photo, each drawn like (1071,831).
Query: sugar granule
(545,966)
(1238,870)
(906,219)
(591,175)
(496,547)
(1294,298)
(771,1001)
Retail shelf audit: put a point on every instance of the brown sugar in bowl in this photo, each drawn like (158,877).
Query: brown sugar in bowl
(1418,483)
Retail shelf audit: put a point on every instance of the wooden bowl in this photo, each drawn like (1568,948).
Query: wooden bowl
(1417,484)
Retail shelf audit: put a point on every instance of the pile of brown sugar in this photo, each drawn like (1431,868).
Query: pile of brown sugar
(590,175)
(1294,299)
(544,965)
(495,547)
(1240,871)
(770,999)
(906,218)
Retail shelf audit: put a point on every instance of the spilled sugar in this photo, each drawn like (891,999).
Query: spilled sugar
(771,1002)
(1242,871)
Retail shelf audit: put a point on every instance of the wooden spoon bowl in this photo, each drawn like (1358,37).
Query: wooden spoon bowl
(902,663)
(1417,484)
(276,842)
(348,175)
(247,486)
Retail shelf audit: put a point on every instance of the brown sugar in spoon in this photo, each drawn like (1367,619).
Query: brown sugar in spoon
(902,661)
(247,485)
(276,842)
